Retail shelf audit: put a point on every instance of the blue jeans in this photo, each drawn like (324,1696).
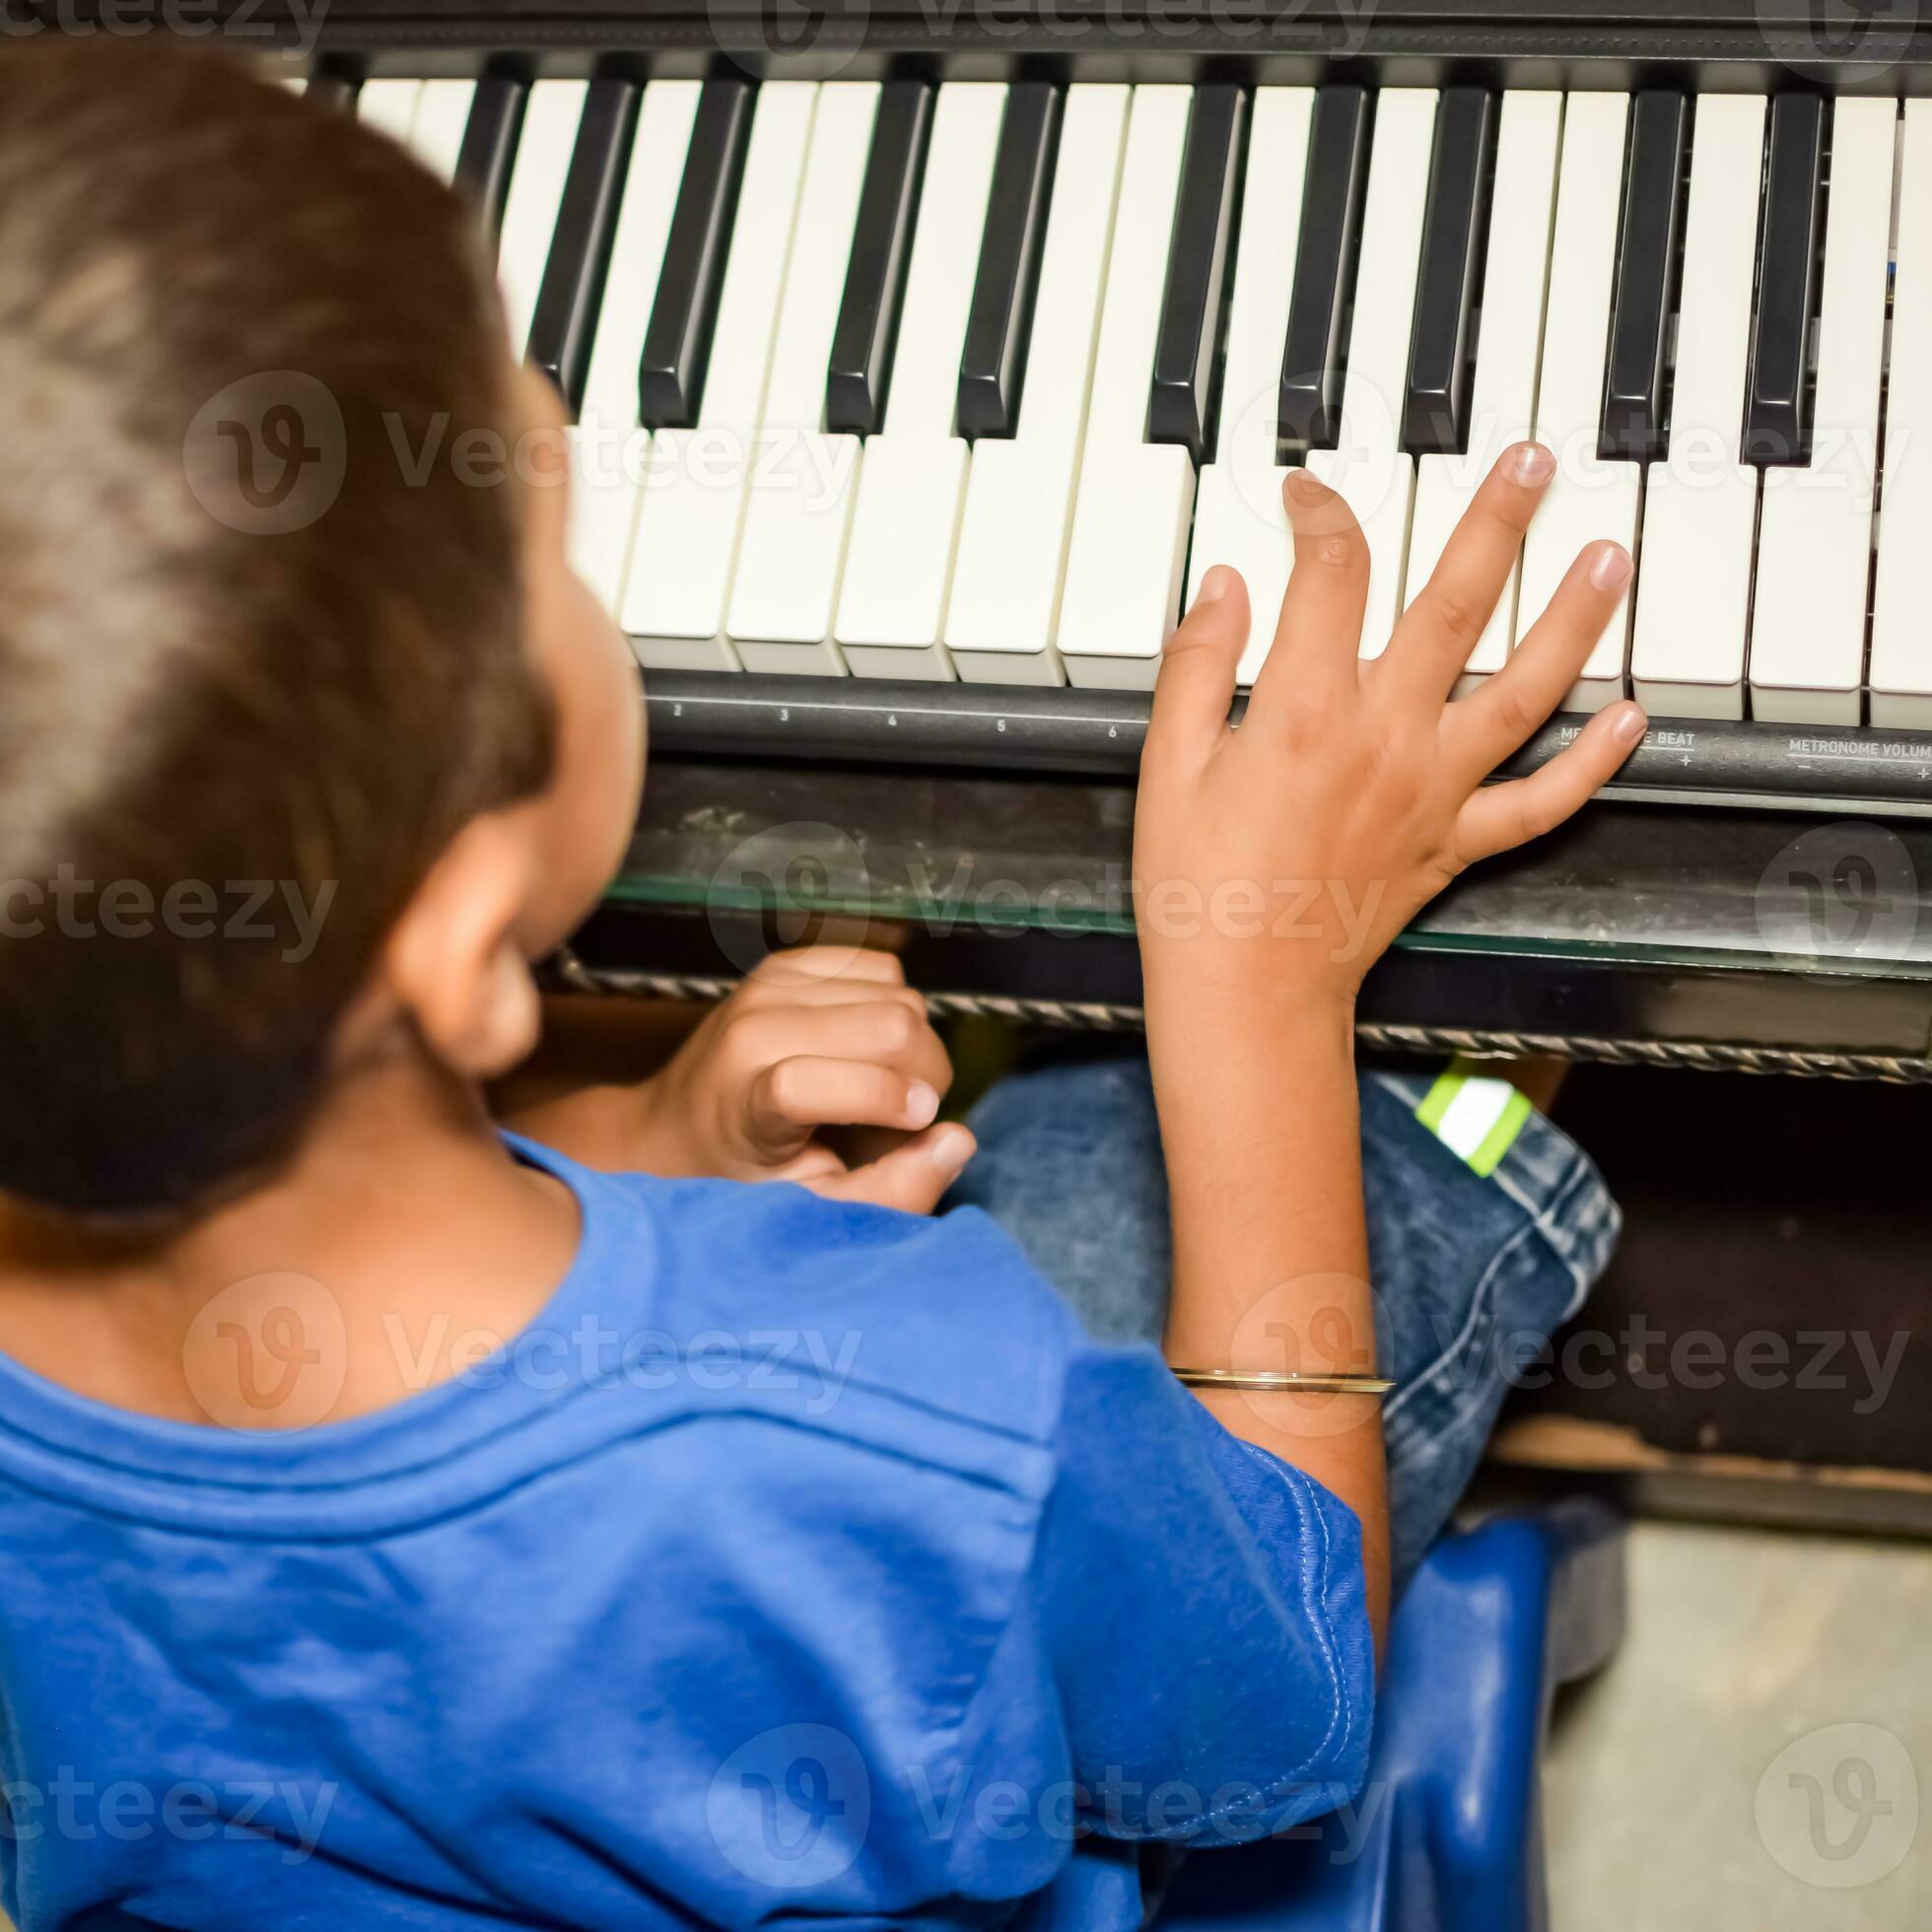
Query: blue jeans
(1471,1269)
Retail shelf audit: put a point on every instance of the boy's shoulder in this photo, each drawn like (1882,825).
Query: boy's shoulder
(862,1310)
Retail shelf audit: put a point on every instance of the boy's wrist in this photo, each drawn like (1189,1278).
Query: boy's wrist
(1246,1090)
(616,1129)
(663,1140)
(1285,1012)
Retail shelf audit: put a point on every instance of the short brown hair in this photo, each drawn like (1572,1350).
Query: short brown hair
(197,698)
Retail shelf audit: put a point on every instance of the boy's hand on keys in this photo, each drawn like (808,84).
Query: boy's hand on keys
(1274,863)
(1271,865)
(818,1037)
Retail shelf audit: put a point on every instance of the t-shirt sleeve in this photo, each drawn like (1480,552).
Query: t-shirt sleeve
(1204,1610)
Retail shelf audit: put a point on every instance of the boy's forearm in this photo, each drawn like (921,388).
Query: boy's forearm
(1271,1250)
(1264,1160)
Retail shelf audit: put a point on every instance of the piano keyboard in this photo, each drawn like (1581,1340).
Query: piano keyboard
(969,382)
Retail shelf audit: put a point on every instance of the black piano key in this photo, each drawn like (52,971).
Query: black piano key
(335,92)
(1312,359)
(1435,401)
(993,363)
(1197,260)
(677,342)
(876,274)
(1641,303)
(1775,429)
(571,288)
(483,162)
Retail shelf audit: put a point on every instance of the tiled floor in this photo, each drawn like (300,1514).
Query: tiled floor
(1759,1756)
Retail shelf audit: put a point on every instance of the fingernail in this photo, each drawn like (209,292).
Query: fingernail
(1610,570)
(951,1150)
(1628,728)
(1304,486)
(1533,463)
(1213,586)
(922,1103)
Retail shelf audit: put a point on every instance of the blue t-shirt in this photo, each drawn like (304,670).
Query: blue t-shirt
(802,1562)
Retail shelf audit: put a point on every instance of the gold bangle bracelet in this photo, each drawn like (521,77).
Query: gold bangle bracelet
(1262,1383)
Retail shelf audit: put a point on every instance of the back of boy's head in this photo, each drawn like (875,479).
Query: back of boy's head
(215,690)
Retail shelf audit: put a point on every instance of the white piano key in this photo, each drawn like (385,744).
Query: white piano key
(610,450)
(692,511)
(1020,494)
(1700,509)
(436,136)
(1367,466)
(892,603)
(798,510)
(1901,676)
(1815,527)
(536,192)
(389,106)
(1502,394)
(1238,515)
(1131,516)
(1587,499)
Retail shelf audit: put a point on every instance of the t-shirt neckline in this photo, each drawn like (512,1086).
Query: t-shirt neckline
(54,1439)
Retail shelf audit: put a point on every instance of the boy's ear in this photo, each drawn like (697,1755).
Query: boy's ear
(454,962)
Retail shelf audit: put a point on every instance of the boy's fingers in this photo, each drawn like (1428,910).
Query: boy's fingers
(816,1165)
(1196,683)
(829,962)
(799,996)
(789,1100)
(1488,726)
(888,1032)
(912,1178)
(1499,817)
(1320,629)
(1441,626)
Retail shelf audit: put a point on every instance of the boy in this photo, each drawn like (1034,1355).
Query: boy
(590,1547)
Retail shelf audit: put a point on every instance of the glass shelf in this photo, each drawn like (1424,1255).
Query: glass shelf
(1823,896)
